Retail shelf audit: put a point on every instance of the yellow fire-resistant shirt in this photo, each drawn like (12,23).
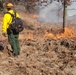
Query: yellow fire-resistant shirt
(7,19)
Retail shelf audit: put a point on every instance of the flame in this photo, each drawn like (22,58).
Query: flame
(29,36)
(49,35)
(68,33)
(35,16)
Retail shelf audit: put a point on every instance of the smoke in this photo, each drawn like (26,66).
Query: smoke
(71,13)
(52,13)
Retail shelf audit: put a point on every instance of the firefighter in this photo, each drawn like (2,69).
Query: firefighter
(12,35)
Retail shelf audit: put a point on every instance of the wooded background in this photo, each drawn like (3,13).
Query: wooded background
(29,4)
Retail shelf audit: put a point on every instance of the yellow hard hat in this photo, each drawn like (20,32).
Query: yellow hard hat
(10,5)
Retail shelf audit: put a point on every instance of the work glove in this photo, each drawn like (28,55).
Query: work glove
(4,34)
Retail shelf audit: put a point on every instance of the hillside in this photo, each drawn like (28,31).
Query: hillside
(45,49)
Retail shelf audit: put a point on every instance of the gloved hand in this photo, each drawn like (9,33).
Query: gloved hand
(4,34)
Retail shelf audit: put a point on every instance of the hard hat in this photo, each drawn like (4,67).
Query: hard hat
(10,5)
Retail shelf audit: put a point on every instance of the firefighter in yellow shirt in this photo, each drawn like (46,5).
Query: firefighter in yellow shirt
(12,35)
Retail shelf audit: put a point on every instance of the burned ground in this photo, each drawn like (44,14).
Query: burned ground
(41,53)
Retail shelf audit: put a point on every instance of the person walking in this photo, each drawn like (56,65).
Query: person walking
(6,31)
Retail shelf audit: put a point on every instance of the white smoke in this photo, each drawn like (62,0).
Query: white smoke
(52,13)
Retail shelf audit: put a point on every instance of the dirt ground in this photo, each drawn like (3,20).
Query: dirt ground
(44,49)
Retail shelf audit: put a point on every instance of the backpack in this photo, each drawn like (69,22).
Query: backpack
(16,23)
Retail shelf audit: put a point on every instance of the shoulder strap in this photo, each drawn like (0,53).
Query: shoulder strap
(10,14)
(13,15)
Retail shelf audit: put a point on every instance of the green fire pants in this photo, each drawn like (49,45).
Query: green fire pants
(14,42)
